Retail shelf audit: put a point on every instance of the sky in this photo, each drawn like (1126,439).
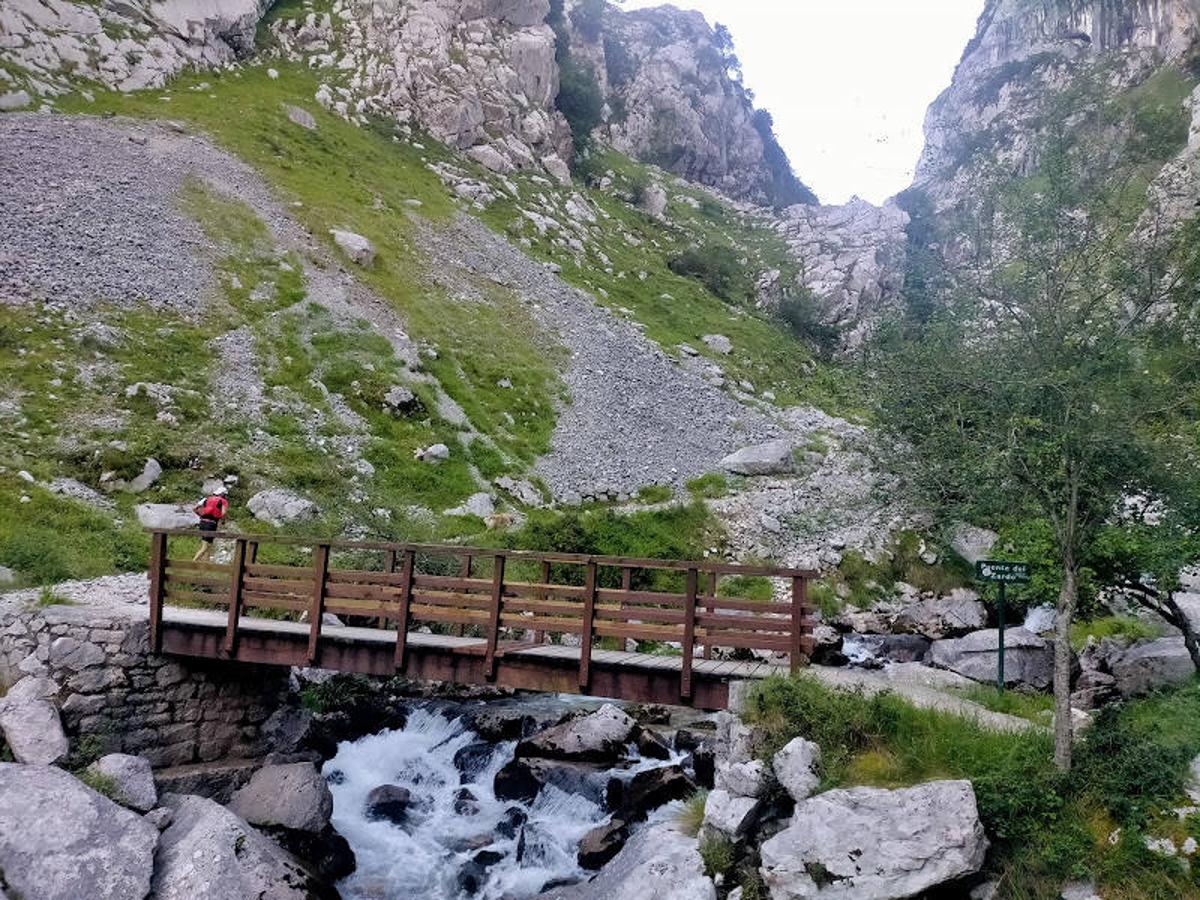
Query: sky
(847,81)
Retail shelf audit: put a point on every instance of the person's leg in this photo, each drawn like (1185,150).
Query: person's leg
(205,551)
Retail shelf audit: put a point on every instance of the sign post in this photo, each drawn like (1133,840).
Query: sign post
(1004,573)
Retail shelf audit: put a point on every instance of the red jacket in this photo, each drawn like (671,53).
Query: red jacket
(214,508)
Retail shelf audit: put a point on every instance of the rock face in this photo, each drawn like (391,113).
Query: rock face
(208,853)
(60,840)
(598,737)
(1028,658)
(291,796)
(873,843)
(132,779)
(853,259)
(128,46)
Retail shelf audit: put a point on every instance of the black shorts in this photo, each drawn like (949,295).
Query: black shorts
(208,525)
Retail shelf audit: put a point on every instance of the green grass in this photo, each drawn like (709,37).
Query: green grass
(712,486)
(691,816)
(1035,707)
(718,854)
(1045,827)
(1112,627)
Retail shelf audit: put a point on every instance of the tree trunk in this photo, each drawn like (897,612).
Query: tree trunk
(1184,624)
(1067,597)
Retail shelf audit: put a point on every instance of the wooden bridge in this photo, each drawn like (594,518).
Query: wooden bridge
(536,621)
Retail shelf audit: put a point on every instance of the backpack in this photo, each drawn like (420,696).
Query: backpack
(214,508)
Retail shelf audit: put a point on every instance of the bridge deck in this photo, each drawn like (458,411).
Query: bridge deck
(528,621)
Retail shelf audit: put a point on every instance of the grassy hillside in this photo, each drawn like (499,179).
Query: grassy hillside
(370,181)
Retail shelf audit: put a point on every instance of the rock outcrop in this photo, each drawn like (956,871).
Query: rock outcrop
(60,840)
(132,780)
(868,842)
(1028,659)
(597,737)
(31,724)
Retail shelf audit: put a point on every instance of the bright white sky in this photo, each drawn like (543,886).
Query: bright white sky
(848,81)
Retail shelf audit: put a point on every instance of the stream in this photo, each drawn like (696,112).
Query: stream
(457,839)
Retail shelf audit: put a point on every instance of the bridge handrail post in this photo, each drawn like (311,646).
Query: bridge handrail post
(710,592)
(589,620)
(799,605)
(539,636)
(689,634)
(317,610)
(493,634)
(237,579)
(406,581)
(158,566)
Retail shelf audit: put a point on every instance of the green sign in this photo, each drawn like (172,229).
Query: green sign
(1002,571)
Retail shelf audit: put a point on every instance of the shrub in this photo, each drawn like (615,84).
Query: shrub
(619,65)
(718,855)
(98,782)
(800,312)
(579,100)
(717,267)
(1112,626)
(691,817)
(339,692)
(710,485)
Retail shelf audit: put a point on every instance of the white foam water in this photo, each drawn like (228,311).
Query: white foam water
(423,858)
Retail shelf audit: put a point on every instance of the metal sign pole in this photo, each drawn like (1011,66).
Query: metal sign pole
(1000,661)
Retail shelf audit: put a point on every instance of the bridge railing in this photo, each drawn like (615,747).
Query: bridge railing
(497,596)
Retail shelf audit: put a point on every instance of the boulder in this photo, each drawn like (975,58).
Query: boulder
(293,796)
(472,759)
(737,742)
(556,167)
(943,617)
(1153,664)
(208,853)
(31,724)
(600,736)
(388,802)
(797,768)
(14,100)
(870,842)
(276,506)
(651,745)
(290,729)
(657,862)
(400,401)
(434,454)
(479,504)
(742,779)
(654,200)
(325,853)
(1028,659)
(972,543)
(304,119)
(132,780)
(731,816)
(881,648)
(7,576)
(1040,619)
(602,843)
(646,791)
(358,248)
(151,472)
(718,343)
(771,458)
(61,840)
(522,779)
(166,515)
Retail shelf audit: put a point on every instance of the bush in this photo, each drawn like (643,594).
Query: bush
(691,817)
(718,855)
(339,692)
(711,485)
(717,267)
(579,100)
(800,312)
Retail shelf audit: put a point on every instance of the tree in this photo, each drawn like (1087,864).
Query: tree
(1049,380)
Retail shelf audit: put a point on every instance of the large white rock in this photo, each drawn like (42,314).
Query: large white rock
(166,515)
(657,863)
(797,768)
(771,458)
(276,506)
(1028,659)
(479,504)
(597,737)
(208,853)
(31,724)
(60,840)
(871,843)
(942,617)
(132,780)
(730,815)
(293,796)
(972,543)
(1152,664)
(742,779)
(358,248)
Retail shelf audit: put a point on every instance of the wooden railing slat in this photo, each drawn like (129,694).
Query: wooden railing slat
(799,602)
(406,578)
(689,636)
(317,611)
(158,563)
(493,635)
(586,632)
(235,595)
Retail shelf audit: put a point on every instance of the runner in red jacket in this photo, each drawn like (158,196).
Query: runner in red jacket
(211,510)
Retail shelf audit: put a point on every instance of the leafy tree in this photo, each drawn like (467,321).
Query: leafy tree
(799,311)
(579,100)
(1049,380)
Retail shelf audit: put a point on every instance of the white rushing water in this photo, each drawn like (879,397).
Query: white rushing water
(422,859)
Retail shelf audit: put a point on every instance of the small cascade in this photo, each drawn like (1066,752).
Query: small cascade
(455,839)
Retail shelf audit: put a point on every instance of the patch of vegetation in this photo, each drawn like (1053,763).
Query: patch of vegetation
(655,493)
(798,310)
(1124,627)
(863,582)
(717,267)
(98,782)
(711,486)
(691,816)
(718,854)
(338,693)
(1044,826)
(1027,705)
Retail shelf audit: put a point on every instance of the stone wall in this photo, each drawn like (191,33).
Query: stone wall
(115,696)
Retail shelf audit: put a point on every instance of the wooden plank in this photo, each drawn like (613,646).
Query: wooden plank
(799,602)
(279,586)
(199,581)
(274,601)
(179,595)
(316,612)
(406,578)
(586,630)
(158,562)
(380,592)
(546,608)
(297,573)
(452,583)
(638,632)
(748,640)
(188,565)
(754,606)
(235,594)
(541,623)
(647,598)
(493,631)
(689,636)
(540,636)
(359,608)
(453,601)
(718,622)
(542,591)
(642,614)
(358,576)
